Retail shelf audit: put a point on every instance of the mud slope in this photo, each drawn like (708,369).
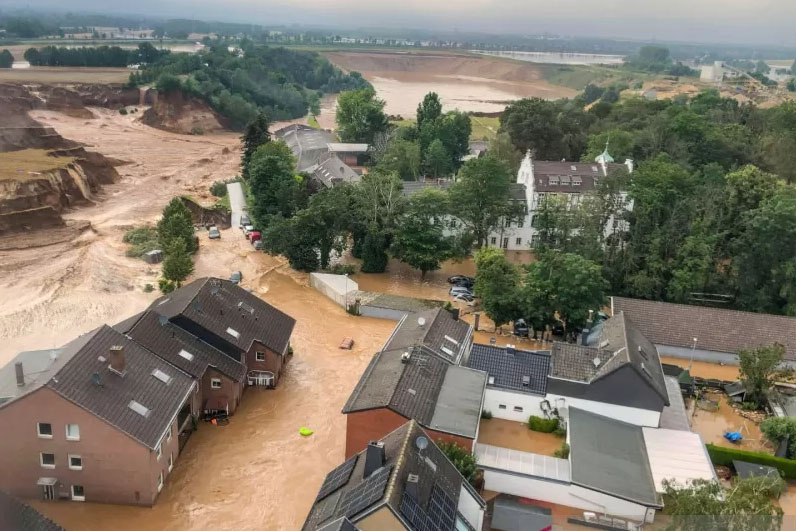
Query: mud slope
(185,115)
(464,82)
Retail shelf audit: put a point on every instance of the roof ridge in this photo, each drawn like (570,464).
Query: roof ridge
(362,379)
(399,462)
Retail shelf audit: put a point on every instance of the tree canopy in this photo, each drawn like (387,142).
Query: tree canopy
(360,116)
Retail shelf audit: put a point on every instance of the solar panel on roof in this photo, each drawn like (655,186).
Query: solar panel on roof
(337,478)
(365,494)
(439,516)
(326,508)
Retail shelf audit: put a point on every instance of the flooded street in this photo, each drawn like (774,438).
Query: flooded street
(703,369)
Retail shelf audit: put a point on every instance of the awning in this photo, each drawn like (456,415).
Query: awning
(216,403)
(677,455)
(47,481)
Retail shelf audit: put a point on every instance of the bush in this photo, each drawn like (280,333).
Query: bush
(464,461)
(123,111)
(197,131)
(563,452)
(486,414)
(542,425)
(166,286)
(725,456)
(142,240)
(560,431)
(777,429)
(343,269)
(219,188)
(149,288)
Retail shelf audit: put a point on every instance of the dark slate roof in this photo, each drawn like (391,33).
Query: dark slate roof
(716,329)
(508,367)
(306,143)
(610,456)
(438,480)
(753,470)
(440,326)
(109,401)
(332,171)
(425,388)
(166,340)
(512,515)
(589,174)
(218,305)
(16,515)
(341,524)
(617,343)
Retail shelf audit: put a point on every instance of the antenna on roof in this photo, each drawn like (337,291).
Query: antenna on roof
(596,361)
(421,442)
(162,319)
(95,379)
(421,322)
(214,290)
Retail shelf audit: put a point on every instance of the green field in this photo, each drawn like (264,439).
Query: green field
(482,127)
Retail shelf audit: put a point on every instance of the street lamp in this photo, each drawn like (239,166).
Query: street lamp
(693,348)
(346,291)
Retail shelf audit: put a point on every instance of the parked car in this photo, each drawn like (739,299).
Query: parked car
(214,233)
(461,290)
(463,297)
(258,245)
(247,229)
(245,220)
(236,277)
(254,236)
(521,328)
(456,279)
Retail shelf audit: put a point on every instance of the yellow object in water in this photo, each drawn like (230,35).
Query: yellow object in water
(306,431)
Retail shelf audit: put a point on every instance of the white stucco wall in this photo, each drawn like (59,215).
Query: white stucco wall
(471,509)
(564,494)
(530,404)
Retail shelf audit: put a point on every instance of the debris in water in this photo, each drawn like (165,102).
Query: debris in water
(306,432)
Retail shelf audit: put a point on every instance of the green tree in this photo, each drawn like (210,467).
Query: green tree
(481,197)
(167,83)
(566,284)
(360,116)
(429,110)
(374,251)
(747,505)
(497,285)
(438,162)
(551,130)
(777,429)
(402,157)
(275,189)
(419,239)
(254,135)
(176,224)
(620,145)
(464,461)
(6,59)
(177,265)
(503,150)
(453,130)
(760,369)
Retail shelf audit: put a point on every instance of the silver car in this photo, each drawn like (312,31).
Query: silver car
(214,233)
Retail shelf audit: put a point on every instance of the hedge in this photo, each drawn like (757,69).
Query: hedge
(725,456)
(543,425)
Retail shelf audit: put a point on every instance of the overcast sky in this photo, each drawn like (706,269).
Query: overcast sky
(740,21)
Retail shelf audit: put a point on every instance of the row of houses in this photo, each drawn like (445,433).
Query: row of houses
(105,417)
(626,422)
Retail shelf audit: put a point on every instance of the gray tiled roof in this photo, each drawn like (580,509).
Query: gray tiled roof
(218,305)
(332,171)
(610,456)
(402,457)
(439,325)
(508,368)
(716,329)
(306,143)
(341,524)
(16,515)
(674,416)
(413,187)
(618,343)
(166,340)
(109,401)
(586,171)
(420,389)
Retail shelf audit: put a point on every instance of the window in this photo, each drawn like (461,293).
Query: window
(171,461)
(78,494)
(162,376)
(45,430)
(234,333)
(159,450)
(493,240)
(505,243)
(520,224)
(215,383)
(518,241)
(47,460)
(187,355)
(501,406)
(260,356)
(168,434)
(160,482)
(72,432)
(138,408)
(75,462)
(518,409)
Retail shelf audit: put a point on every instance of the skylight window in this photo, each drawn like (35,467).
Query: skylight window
(187,355)
(446,350)
(234,333)
(139,408)
(162,376)
(164,301)
(449,338)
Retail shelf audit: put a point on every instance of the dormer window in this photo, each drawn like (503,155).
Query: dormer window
(553,180)
(565,180)
(576,181)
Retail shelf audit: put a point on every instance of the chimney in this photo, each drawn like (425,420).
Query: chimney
(374,457)
(20,374)
(411,487)
(510,350)
(117,359)
(584,337)
(629,164)
(405,357)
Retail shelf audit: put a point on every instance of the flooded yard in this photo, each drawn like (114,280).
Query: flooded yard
(517,436)
(704,369)
(712,425)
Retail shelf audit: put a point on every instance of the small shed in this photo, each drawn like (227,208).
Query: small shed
(753,470)
(677,455)
(154,257)
(736,391)
(511,514)
(335,287)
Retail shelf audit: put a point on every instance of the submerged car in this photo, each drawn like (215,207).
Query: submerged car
(214,233)
(461,290)
(236,277)
(461,279)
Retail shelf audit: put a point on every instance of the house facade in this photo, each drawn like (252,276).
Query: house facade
(98,420)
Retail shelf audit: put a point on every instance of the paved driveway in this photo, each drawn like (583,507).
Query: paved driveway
(237,202)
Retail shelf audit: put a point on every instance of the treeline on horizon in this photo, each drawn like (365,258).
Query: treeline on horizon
(282,83)
(94,56)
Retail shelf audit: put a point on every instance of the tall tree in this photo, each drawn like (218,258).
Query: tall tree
(497,284)
(176,224)
(760,369)
(419,239)
(551,130)
(360,116)
(380,205)
(481,197)
(429,109)
(453,130)
(6,59)
(275,189)
(402,157)
(438,161)
(177,265)
(255,135)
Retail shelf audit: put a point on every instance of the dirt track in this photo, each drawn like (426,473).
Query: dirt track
(51,293)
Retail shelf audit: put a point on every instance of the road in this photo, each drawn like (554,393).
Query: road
(237,202)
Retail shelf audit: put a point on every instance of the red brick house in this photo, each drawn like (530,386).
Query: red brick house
(234,321)
(97,420)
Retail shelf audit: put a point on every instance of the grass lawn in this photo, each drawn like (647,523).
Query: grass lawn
(26,164)
(484,127)
(312,121)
